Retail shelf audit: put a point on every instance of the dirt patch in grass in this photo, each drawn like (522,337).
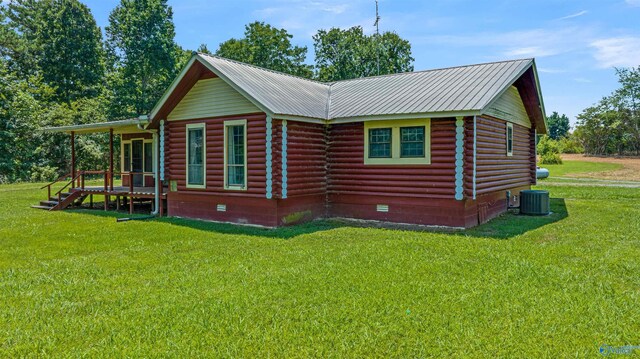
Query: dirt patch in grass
(629,172)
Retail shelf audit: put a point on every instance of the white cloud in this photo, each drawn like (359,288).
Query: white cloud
(580,13)
(524,43)
(582,80)
(633,2)
(617,51)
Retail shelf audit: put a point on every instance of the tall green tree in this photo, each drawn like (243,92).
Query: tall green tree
(142,53)
(347,54)
(71,50)
(269,47)
(558,125)
(612,126)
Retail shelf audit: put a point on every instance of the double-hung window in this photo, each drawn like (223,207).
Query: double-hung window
(235,155)
(397,142)
(196,152)
(380,143)
(509,139)
(412,142)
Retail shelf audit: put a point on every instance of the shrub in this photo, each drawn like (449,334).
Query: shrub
(551,159)
(548,145)
(43,173)
(570,145)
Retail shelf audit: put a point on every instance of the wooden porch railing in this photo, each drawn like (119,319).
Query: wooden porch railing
(80,178)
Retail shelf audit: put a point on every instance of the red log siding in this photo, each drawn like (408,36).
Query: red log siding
(468,157)
(495,171)
(256,168)
(348,175)
(306,159)
(421,194)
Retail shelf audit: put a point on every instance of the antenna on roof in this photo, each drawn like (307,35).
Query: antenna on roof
(377,20)
(376,24)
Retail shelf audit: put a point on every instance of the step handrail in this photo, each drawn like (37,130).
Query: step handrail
(67,185)
(48,186)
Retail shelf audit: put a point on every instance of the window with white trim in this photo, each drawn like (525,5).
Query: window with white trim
(509,139)
(196,152)
(235,155)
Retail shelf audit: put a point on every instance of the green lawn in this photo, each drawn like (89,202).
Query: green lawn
(574,167)
(76,283)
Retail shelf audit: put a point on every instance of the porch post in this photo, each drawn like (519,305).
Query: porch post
(73,159)
(111,159)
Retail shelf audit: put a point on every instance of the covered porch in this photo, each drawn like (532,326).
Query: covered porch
(138,179)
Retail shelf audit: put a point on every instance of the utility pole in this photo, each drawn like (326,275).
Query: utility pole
(376,24)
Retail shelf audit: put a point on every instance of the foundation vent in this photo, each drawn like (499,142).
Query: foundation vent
(382,208)
(221,207)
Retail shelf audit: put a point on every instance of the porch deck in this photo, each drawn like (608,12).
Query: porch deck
(138,192)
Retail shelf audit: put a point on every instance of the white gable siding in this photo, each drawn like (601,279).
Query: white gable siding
(509,107)
(211,98)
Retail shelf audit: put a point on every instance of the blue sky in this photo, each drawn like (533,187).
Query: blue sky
(576,43)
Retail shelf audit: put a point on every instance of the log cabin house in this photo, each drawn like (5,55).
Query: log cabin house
(236,143)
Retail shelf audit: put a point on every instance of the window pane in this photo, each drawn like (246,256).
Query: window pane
(235,156)
(196,156)
(380,143)
(412,141)
(127,157)
(509,139)
(148,157)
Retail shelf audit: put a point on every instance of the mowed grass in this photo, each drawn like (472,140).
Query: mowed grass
(76,283)
(569,168)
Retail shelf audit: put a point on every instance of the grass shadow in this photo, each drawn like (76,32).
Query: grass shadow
(513,224)
(505,226)
(224,228)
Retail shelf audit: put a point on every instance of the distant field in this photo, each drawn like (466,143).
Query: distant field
(617,169)
(576,168)
(78,284)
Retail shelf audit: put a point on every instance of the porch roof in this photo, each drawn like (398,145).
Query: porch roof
(123,126)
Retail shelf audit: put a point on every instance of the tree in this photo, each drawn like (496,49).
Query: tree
(266,46)
(71,60)
(346,54)
(558,125)
(142,53)
(612,126)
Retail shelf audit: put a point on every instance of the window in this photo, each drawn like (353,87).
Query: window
(380,143)
(235,154)
(509,139)
(412,142)
(148,157)
(126,157)
(397,142)
(196,155)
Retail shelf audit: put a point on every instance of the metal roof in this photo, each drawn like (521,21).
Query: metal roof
(456,89)
(280,93)
(463,89)
(117,126)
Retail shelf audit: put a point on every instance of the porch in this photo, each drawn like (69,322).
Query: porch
(139,179)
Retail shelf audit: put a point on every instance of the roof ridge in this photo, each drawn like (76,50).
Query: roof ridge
(263,68)
(428,70)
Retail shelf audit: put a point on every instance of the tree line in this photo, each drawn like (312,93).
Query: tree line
(610,127)
(57,67)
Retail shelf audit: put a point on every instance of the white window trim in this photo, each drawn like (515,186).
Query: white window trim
(395,158)
(509,126)
(204,154)
(246,160)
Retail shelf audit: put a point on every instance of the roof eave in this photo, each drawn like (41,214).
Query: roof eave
(97,127)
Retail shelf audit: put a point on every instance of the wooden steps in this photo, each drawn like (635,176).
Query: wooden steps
(66,199)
